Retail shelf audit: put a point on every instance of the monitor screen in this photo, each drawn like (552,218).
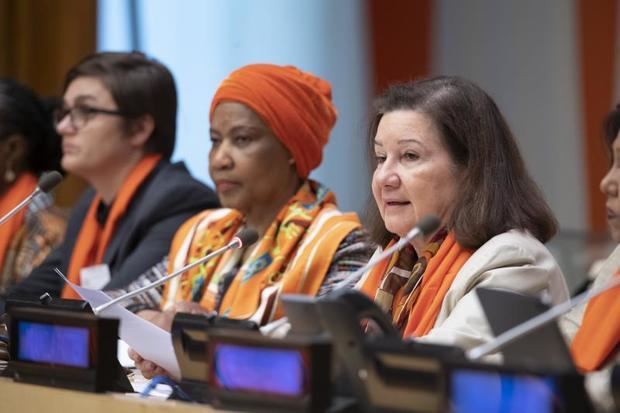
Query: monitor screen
(488,391)
(272,371)
(54,344)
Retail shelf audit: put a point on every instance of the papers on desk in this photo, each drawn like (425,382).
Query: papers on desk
(150,341)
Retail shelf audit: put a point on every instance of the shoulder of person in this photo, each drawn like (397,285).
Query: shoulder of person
(514,260)
(168,174)
(514,247)
(172,183)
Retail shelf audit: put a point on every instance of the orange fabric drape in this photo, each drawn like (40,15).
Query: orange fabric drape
(93,240)
(394,57)
(23,187)
(599,334)
(597,49)
(438,277)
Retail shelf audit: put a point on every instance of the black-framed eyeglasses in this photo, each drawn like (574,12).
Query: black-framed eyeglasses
(80,115)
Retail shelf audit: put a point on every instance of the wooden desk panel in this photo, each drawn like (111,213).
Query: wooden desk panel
(27,398)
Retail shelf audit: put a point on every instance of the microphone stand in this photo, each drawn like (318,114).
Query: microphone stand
(427,226)
(236,243)
(19,206)
(533,323)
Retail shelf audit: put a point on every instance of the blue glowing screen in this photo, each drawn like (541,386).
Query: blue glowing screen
(482,391)
(49,343)
(259,370)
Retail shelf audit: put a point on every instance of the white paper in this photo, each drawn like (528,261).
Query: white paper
(122,356)
(95,277)
(150,341)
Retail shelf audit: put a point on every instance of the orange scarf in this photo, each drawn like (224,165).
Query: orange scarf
(422,303)
(599,334)
(93,240)
(23,187)
(293,256)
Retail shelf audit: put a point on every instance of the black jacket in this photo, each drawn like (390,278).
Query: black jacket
(168,197)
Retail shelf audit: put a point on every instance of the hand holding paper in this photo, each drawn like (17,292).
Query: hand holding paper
(150,341)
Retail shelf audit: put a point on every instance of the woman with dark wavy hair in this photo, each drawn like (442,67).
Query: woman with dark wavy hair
(441,146)
(29,146)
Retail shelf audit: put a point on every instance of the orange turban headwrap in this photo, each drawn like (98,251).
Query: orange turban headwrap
(295,105)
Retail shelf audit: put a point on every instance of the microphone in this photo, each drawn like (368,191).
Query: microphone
(243,238)
(47,182)
(426,226)
(540,320)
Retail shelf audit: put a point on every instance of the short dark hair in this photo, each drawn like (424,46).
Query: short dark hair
(23,113)
(611,128)
(496,193)
(139,86)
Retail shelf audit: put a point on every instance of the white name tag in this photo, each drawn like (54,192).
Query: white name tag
(95,277)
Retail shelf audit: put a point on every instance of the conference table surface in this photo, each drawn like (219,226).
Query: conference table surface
(21,397)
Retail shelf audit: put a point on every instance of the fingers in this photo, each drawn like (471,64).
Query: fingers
(146,367)
(134,355)
(189,307)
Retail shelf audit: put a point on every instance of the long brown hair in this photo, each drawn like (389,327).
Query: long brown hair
(496,193)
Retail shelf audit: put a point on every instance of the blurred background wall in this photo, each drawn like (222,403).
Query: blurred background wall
(549,65)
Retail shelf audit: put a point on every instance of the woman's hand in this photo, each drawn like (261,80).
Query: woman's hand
(191,307)
(163,319)
(147,367)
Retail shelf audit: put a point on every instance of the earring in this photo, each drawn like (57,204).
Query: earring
(9,175)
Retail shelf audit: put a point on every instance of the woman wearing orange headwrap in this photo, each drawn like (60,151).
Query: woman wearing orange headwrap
(269,125)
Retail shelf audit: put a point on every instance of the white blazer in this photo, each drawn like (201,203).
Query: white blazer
(514,260)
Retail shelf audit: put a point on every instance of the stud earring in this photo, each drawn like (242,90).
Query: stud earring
(9,175)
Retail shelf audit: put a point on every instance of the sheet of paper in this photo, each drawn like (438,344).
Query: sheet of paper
(95,277)
(122,356)
(150,341)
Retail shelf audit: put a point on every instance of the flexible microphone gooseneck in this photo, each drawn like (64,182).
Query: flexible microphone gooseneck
(426,226)
(540,320)
(46,183)
(245,237)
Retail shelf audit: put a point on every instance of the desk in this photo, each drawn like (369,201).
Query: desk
(27,398)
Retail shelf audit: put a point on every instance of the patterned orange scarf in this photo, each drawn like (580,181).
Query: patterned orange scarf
(23,187)
(278,259)
(414,308)
(599,335)
(93,240)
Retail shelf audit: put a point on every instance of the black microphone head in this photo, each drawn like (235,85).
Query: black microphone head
(428,224)
(247,236)
(49,180)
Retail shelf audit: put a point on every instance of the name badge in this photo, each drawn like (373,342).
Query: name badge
(95,277)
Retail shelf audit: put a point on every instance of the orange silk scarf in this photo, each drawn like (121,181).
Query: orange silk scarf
(599,334)
(93,240)
(283,257)
(424,302)
(23,187)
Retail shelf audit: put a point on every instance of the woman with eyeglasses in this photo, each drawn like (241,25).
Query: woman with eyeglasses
(29,146)
(118,124)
